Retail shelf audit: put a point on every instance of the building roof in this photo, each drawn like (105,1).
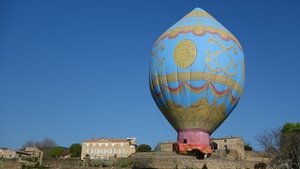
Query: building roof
(169,142)
(23,152)
(102,139)
(32,149)
(228,138)
(3,148)
(6,149)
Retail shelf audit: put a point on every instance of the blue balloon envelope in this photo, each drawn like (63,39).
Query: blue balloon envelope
(196,78)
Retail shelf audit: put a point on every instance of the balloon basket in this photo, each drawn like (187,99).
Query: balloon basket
(193,142)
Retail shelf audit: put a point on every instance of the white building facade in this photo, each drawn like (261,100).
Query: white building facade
(104,148)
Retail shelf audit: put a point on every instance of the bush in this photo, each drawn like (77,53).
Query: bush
(31,159)
(143,148)
(75,150)
(124,162)
(1,164)
(227,151)
(33,167)
(56,152)
(248,147)
(100,163)
(204,167)
(260,165)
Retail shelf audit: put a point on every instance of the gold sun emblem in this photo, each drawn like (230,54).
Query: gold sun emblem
(185,53)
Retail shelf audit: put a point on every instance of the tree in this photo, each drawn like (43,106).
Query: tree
(290,145)
(143,148)
(283,145)
(248,147)
(269,140)
(157,147)
(56,152)
(291,127)
(75,150)
(29,143)
(46,143)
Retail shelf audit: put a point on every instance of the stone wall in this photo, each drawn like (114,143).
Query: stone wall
(158,160)
(49,163)
(9,164)
(62,163)
(166,146)
(72,164)
(257,156)
(165,160)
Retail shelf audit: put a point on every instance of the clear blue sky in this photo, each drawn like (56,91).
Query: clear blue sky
(75,70)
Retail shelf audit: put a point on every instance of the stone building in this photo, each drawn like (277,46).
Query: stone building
(218,144)
(31,152)
(166,146)
(7,153)
(34,152)
(230,143)
(105,148)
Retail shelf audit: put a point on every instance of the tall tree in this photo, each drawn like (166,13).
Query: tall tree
(75,150)
(29,143)
(46,143)
(269,140)
(283,145)
(290,144)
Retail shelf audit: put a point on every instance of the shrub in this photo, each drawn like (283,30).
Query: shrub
(100,163)
(248,147)
(260,165)
(56,152)
(124,162)
(204,166)
(75,150)
(143,148)
(31,159)
(33,167)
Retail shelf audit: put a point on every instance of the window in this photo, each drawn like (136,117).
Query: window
(214,146)
(185,141)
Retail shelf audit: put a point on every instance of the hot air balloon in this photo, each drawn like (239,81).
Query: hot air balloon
(196,78)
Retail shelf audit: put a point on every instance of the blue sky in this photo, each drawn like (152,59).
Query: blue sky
(75,70)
